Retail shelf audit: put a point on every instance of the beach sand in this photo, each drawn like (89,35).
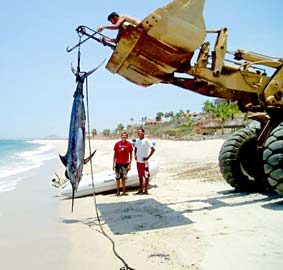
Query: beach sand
(191,219)
(32,234)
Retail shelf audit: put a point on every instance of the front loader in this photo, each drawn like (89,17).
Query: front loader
(161,50)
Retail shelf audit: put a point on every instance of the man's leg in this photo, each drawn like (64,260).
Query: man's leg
(146,177)
(140,168)
(146,186)
(118,187)
(140,185)
(124,186)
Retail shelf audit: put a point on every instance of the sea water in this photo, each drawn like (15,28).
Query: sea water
(18,157)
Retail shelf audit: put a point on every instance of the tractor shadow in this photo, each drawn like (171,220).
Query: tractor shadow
(232,198)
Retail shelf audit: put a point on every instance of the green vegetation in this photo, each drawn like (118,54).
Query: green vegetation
(211,120)
(223,110)
(93,132)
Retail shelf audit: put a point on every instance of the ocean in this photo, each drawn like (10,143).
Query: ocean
(18,157)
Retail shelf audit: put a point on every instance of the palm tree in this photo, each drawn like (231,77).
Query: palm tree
(171,115)
(120,128)
(93,132)
(209,108)
(179,115)
(132,120)
(166,115)
(143,120)
(159,116)
(106,132)
(224,110)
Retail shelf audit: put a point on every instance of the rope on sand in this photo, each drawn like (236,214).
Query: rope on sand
(126,266)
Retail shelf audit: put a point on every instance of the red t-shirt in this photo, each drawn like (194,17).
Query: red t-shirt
(122,151)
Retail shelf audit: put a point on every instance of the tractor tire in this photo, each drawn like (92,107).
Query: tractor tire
(273,159)
(238,161)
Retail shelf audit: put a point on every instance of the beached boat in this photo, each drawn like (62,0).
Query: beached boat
(104,181)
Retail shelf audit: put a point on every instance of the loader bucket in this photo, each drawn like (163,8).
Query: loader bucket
(179,24)
(162,44)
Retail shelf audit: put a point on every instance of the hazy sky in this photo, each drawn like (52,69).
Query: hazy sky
(37,84)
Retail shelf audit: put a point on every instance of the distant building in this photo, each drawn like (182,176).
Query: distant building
(194,115)
(206,126)
(152,122)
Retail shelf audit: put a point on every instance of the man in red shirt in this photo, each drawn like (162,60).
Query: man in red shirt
(122,159)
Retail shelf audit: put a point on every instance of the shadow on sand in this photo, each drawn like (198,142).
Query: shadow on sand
(140,215)
(231,198)
(149,214)
(135,216)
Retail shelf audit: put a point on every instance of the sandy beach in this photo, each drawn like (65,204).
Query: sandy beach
(191,219)
(32,235)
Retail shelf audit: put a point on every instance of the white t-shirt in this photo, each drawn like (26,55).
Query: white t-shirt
(143,146)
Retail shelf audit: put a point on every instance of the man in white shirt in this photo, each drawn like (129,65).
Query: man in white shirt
(142,155)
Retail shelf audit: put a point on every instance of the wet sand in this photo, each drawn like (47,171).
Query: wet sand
(32,234)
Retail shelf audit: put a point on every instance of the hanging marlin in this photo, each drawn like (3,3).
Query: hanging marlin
(74,158)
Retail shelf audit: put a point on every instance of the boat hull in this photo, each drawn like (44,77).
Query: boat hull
(104,181)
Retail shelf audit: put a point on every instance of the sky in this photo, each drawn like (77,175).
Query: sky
(37,84)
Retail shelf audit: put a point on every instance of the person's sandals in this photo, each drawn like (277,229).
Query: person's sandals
(118,194)
(138,193)
(145,193)
(125,194)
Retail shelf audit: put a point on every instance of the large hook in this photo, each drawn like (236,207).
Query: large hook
(81,30)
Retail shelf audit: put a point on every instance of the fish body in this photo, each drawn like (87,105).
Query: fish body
(74,158)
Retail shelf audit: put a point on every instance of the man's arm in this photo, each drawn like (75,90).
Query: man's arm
(130,160)
(152,150)
(120,21)
(135,153)
(112,26)
(114,161)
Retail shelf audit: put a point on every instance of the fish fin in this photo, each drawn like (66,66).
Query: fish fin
(64,160)
(85,74)
(67,175)
(86,160)
(73,70)
(96,68)
(73,198)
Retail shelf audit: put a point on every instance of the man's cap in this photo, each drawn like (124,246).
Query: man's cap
(112,15)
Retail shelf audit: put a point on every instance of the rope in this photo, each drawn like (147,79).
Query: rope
(79,56)
(126,266)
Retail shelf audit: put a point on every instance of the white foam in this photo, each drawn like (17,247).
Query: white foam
(9,185)
(34,159)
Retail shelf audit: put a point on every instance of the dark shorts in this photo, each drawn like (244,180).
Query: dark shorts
(143,169)
(121,171)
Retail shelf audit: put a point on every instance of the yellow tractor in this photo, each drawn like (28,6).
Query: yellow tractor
(160,50)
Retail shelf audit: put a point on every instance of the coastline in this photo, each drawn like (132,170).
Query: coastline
(32,235)
(192,219)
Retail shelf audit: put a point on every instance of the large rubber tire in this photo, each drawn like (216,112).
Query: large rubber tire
(273,159)
(239,163)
